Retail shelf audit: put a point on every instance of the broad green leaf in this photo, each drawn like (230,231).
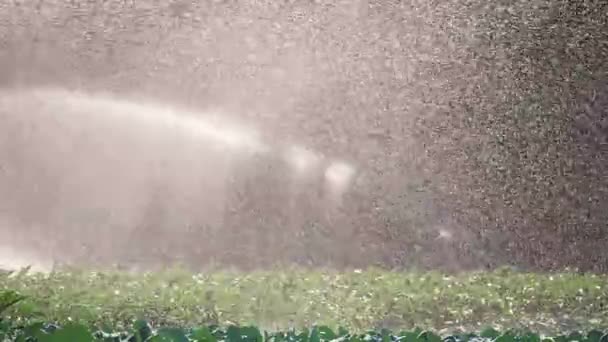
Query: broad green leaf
(386,335)
(69,332)
(202,335)
(233,334)
(506,337)
(315,336)
(251,334)
(408,336)
(32,331)
(342,331)
(303,336)
(5,329)
(489,333)
(575,336)
(594,336)
(245,334)
(529,337)
(326,334)
(142,331)
(427,336)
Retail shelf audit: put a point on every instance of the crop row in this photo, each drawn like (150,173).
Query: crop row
(143,331)
(283,299)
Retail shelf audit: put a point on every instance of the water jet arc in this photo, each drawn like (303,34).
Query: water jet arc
(91,163)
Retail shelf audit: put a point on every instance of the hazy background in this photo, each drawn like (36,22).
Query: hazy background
(480,130)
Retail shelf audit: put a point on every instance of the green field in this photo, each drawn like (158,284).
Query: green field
(276,300)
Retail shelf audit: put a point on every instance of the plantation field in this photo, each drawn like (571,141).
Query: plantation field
(143,331)
(296,298)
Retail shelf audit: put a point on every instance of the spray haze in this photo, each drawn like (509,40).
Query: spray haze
(95,163)
(455,135)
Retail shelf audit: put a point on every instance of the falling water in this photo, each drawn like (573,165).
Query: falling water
(79,160)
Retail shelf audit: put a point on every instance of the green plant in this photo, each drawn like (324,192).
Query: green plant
(299,298)
(142,331)
(8,298)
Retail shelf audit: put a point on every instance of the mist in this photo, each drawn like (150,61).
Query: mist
(90,166)
(445,135)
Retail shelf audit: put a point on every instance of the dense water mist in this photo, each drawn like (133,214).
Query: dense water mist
(81,170)
(452,135)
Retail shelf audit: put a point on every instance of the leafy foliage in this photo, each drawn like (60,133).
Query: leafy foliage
(8,299)
(278,300)
(81,333)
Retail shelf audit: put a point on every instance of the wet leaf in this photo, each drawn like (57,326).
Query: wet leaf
(489,333)
(142,331)
(69,332)
(202,335)
(506,337)
(594,336)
